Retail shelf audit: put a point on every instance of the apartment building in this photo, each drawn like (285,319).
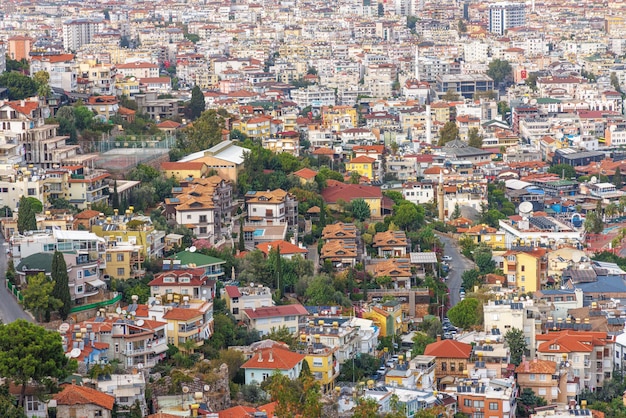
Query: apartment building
(494,399)
(505,15)
(130,229)
(34,242)
(268,318)
(19,47)
(62,69)
(185,282)
(505,315)
(526,268)
(314,96)
(139,69)
(452,358)
(192,321)
(419,193)
(78,32)
(544,377)
(342,339)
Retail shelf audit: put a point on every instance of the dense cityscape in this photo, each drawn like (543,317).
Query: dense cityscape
(362,209)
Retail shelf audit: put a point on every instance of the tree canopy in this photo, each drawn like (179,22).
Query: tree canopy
(517,345)
(448,133)
(197,104)
(499,70)
(38,296)
(61,289)
(19,86)
(467,313)
(563,170)
(29,352)
(26,220)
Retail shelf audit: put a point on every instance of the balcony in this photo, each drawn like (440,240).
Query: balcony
(154,346)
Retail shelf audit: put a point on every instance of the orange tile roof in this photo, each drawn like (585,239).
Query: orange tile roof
(81,395)
(362,159)
(182,314)
(168,124)
(568,341)
(26,109)
(390,239)
(275,311)
(448,349)
(324,151)
(53,58)
(284,246)
(537,366)
(87,214)
(306,173)
(281,359)
(182,165)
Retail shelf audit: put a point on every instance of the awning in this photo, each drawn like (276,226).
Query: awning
(96,283)
(447,380)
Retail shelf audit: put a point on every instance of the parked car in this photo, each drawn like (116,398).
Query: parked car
(446,258)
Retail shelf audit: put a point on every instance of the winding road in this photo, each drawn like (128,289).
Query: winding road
(458,265)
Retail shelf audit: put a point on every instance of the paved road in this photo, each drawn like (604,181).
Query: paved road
(457,266)
(10,310)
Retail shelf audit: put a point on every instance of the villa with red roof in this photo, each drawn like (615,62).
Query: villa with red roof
(248,297)
(267,361)
(287,249)
(452,358)
(306,175)
(274,317)
(335,192)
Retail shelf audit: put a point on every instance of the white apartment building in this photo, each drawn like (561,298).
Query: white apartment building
(79,32)
(139,69)
(419,193)
(505,315)
(505,15)
(83,242)
(61,68)
(3,58)
(314,96)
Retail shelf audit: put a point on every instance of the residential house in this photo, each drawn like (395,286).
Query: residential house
(267,361)
(336,193)
(367,333)
(547,379)
(287,249)
(388,317)
(107,106)
(452,358)
(190,259)
(61,68)
(495,399)
(322,363)
(128,390)
(508,314)
(590,354)
(87,186)
(484,234)
(124,261)
(266,319)
(131,229)
(81,401)
(391,244)
(341,253)
(188,282)
(193,321)
(362,165)
(248,297)
(419,193)
(305,175)
(342,338)
(397,269)
(423,368)
(272,207)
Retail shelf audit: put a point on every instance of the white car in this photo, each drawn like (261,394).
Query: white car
(446,258)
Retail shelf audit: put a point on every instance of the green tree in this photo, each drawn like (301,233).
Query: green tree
(474,139)
(467,313)
(83,117)
(563,170)
(411,21)
(527,402)
(617,178)
(499,70)
(448,133)
(615,82)
(470,278)
(483,258)
(8,407)
(38,296)
(420,341)
(197,104)
(457,212)
(115,197)
(451,96)
(407,215)
(363,366)
(355,177)
(517,345)
(360,209)
(26,220)
(531,81)
(461,26)
(366,408)
(282,334)
(31,354)
(503,108)
(42,79)
(61,289)
(19,86)
(192,37)
(242,243)
(35,204)
(205,132)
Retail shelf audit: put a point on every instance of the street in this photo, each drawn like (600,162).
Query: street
(10,310)
(458,265)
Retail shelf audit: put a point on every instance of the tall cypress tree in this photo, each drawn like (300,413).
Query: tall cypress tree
(61,289)
(115,199)
(242,243)
(26,220)
(617,178)
(196,104)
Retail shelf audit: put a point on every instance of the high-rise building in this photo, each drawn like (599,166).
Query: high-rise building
(3,60)
(505,15)
(79,32)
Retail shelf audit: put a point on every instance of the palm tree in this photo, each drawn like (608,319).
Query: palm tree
(611,210)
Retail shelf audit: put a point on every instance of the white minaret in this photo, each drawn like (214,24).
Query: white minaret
(417,62)
(429,121)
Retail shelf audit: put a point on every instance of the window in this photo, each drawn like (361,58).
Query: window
(203,229)
(523,268)
(467,402)
(108,258)
(79,274)
(235,311)
(444,366)
(542,377)
(493,406)
(452,366)
(120,272)
(532,376)
(79,289)
(117,348)
(120,257)
(479,404)
(188,216)
(460,367)
(31,192)
(317,362)
(202,219)
(542,391)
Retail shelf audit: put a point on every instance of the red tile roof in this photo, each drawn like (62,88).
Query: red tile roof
(336,190)
(182,165)
(182,314)
(448,349)
(324,151)
(284,246)
(274,311)
(232,291)
(362,159)
(537,366)
(53,58)
(306,173)
(87,214)
(168,124)
(274,358)
(81,395)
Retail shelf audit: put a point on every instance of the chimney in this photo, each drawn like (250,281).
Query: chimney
(260,356)
(271,359)
(438,338)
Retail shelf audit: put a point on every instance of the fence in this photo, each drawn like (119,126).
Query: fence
(96,305)
(16,292)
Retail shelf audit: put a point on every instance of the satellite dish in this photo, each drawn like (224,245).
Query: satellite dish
(140,366)
(64,327)
(207,388)
(75,352)
(185,389)
(593,180)
(576,257)
(124,312)
(118,310)
(525,208)
(192,249)
(140,322)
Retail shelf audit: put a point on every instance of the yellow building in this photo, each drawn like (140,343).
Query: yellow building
(124,261)
(193,323)
(484,234)
(258,127)
(182,171)
(338,118)
(388,318)
(128,86)
(323,366)
(527,270)
(134,232)
(362,165)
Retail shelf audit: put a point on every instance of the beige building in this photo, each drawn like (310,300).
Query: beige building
(225,158)
(546,378)
(509,314)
